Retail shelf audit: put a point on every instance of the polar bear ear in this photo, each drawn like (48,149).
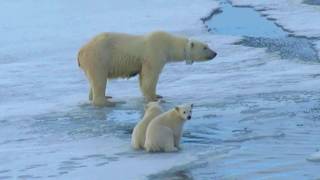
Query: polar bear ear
(177,108)
(191,44)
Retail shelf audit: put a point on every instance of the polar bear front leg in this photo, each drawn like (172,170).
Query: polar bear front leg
(148,88)
(90,95)
(148,84)
(159,96)
(177,141)
(148,80)
(166,138)
(169,146)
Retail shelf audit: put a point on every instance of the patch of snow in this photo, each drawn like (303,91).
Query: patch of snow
(314,157)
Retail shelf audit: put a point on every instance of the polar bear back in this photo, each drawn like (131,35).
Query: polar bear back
(119,54)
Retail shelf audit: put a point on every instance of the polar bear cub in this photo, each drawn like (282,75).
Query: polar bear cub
(164,132)
(152,110)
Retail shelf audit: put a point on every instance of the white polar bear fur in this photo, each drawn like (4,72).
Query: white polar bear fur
(119,55)
(153,109)
(164,132)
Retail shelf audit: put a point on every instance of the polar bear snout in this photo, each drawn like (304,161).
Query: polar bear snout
(212,54)
(190,114)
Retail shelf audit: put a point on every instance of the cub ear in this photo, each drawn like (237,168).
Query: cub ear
(177,108)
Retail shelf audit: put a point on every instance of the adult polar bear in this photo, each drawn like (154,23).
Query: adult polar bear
(118,55)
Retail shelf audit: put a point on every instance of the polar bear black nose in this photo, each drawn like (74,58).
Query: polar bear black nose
(189,117)
(214,54)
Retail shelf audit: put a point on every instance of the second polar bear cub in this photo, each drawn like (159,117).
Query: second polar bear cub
(164,132)
(152,110)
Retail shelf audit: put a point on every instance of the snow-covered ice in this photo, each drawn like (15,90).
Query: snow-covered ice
(256,114)
(314,157)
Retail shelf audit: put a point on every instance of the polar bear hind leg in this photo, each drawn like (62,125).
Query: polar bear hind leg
(164,141)
(168,140)
(98,82)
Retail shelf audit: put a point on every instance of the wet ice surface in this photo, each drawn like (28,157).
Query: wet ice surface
(285,47)
(256,115)
(312,2)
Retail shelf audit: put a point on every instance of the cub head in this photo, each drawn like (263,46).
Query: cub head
(198,51)
(184,111)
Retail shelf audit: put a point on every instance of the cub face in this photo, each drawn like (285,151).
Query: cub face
(199,51)
(185,111)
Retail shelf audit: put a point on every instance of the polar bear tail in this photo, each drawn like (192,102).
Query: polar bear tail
(78,59)
(79,53)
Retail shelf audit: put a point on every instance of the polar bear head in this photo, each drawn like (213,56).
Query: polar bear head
(198,51)
(184,111)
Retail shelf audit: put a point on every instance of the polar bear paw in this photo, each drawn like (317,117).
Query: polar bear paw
(104,102)
(171,149)
(159,96)
(108,97)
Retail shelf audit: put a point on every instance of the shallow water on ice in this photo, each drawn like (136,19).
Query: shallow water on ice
(242,21)
(260,32)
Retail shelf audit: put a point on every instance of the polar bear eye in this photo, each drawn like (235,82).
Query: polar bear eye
(184,112)
(205,48)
